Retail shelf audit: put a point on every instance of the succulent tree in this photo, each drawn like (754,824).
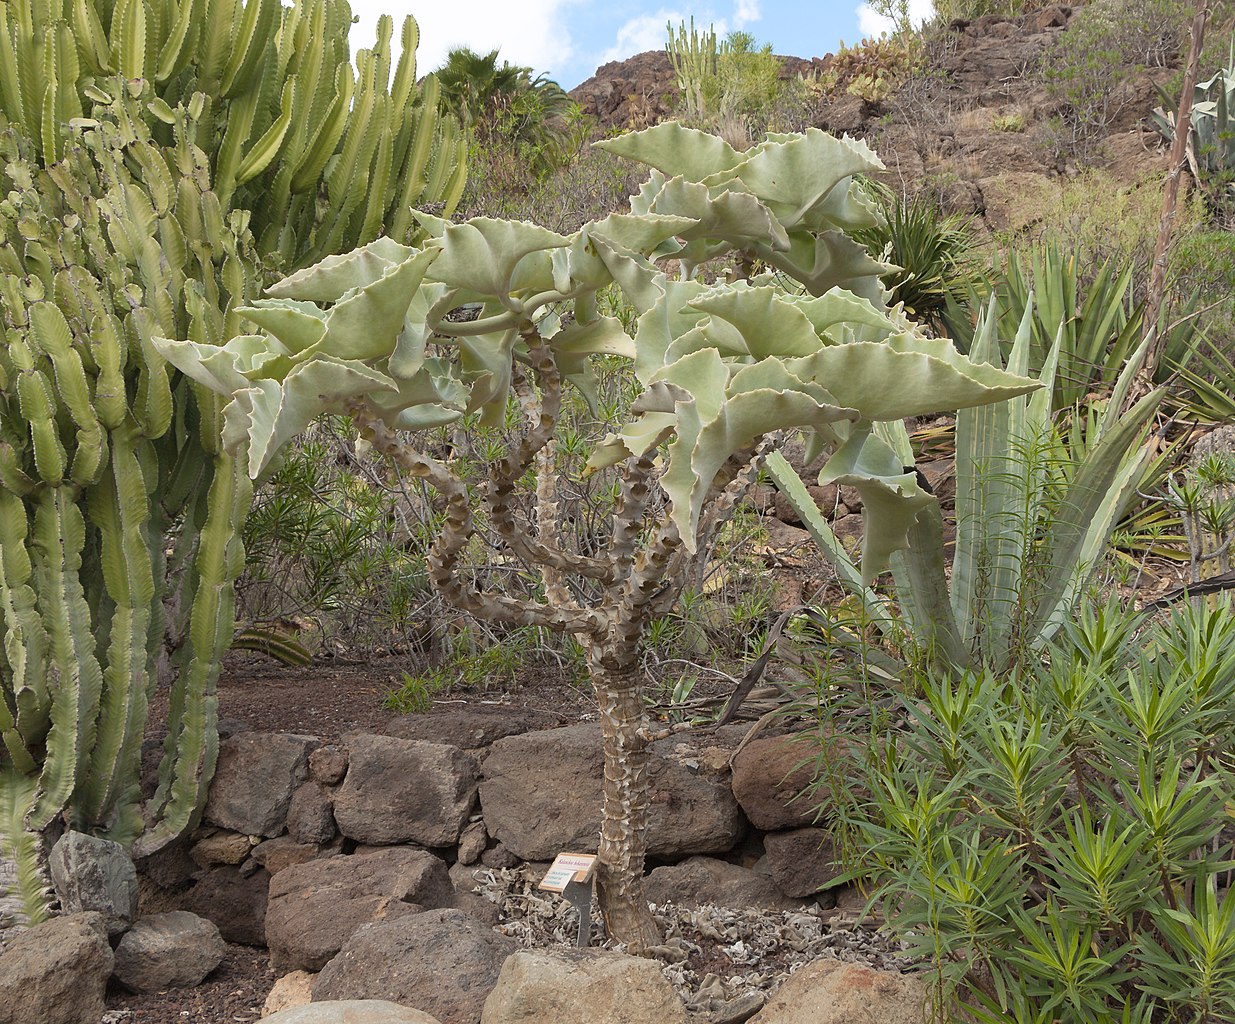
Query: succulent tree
(325,157)
(489,312)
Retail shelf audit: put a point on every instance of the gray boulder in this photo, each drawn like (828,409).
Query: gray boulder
(95,874)
(535,815)
(802,860)
(56,972)
(256,776)
(571,986)
(405,791)
(351,1011)
(309,815)
(700,880)
(315,907)
(173,950)
(441,961)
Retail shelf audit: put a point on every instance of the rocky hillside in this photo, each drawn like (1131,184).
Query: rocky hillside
(973,129)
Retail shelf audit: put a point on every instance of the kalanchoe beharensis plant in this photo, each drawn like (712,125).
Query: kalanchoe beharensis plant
(486,312)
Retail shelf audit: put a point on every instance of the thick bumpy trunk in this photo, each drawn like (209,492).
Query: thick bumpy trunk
(623,830)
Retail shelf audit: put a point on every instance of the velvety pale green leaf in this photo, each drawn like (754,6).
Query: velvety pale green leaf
(907,375)
(335,276)
(297,325)
(433,397)
(735,217)
(770,325)
(830,260)
(709,433)
(270,413)
(843,316)
(795,178)
(486,365)
(482,255)
(222,369)
(669,318)
(675,150)
(365,324)
(891,497)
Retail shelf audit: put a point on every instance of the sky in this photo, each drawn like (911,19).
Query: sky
(569,39)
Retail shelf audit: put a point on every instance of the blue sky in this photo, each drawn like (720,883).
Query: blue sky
(569,39)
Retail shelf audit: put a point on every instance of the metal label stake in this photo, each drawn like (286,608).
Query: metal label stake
(570,875)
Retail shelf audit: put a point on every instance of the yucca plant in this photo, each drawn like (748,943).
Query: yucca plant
(324,157)
(934,255)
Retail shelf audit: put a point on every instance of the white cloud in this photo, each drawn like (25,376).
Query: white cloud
(872,25)
(648,31)
(527,32)
(746,11)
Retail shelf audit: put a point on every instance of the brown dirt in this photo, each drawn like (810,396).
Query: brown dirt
(233,994)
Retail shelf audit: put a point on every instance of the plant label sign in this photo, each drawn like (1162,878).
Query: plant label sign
(567,868)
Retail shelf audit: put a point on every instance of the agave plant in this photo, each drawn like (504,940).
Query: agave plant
(723,368)
(1034,511)
(1211,142)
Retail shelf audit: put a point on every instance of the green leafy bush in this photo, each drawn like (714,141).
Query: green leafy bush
(1106,44)
(1055,843)
(873,68)
(528,119)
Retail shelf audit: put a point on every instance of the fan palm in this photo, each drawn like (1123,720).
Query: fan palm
(503,102)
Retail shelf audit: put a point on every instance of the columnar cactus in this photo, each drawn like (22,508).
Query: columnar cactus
(325,157)
(105,455)
(724,369)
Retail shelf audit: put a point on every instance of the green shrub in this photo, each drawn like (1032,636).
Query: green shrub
(873,68)
(934,254)
(1009,123)
(1107,43)
(1053,842)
